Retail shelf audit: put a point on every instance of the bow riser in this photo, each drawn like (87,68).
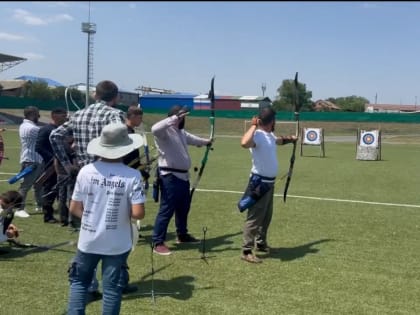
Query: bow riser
(209,146)
(292,158)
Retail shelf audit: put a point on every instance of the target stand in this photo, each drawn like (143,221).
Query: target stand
(313,137)
(368,146)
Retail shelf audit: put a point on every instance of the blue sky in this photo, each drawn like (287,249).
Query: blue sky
(338,48)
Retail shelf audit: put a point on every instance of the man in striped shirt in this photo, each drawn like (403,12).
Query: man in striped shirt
(28,133)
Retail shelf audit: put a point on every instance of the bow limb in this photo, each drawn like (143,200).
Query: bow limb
(146,146)
(67,94)
(210,145)
(292,158)
(1,147)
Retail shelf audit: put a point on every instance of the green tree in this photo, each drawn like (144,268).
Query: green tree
(39,90)
(58,93)
(286,95)
(350,103)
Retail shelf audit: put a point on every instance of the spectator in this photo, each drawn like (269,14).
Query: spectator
(28,133)
(43,148)
(134,119)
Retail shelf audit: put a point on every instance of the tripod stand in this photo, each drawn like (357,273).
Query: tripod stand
(203,247)
(152,293)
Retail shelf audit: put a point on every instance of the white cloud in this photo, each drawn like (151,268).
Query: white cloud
(10,37)
(30,19)
(369,5)
(27,18)
(59,18)
(56,4)
(33,56)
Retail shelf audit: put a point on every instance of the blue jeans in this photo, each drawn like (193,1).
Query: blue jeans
(175,198)
(64,195)
(114,278)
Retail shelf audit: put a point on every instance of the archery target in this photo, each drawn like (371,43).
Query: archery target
(369,138)
(312,136)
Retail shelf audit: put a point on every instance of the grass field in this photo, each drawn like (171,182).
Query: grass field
(345,242)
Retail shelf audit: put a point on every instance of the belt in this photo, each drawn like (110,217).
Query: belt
(264,177)
(170,169)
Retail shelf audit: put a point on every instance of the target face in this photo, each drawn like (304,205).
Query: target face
(368,138)
(311,136)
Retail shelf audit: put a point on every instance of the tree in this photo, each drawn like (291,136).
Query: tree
(58,93)
(286,94)
(350,103)
(40,90)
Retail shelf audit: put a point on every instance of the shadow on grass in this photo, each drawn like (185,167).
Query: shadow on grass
(292,253)
(180,288)
(210,244)
(13,251)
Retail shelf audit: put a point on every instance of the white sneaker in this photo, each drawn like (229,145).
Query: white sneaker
(22,214)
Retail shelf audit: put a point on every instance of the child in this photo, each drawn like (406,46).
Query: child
(8,201)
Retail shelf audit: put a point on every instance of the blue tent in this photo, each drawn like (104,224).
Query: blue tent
(51,83)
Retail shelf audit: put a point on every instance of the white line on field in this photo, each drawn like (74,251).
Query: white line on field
(325,199)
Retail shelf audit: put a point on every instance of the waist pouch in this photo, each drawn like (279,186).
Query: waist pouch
(257,187)
(156,185)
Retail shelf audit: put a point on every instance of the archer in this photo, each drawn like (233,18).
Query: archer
(258,196)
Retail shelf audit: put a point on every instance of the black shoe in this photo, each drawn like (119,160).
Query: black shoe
(74,225)
(130,288)
(263,248)
(94,296)
(51,220)
(186,238)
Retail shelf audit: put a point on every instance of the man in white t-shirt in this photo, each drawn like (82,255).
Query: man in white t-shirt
(258,197)
(107,195)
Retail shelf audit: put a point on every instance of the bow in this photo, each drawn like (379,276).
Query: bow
(292,158)
(67,94)
(209,146)
(146,168)
(1,147)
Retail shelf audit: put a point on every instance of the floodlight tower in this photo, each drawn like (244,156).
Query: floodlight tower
(90,29)
(263,88)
